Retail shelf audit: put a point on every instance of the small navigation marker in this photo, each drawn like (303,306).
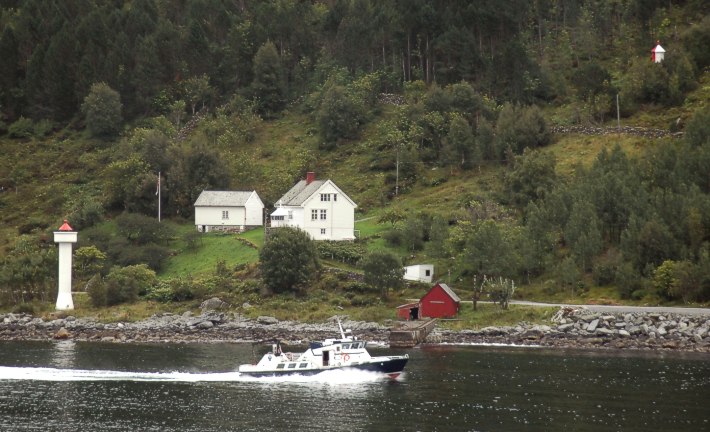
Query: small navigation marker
(65,237)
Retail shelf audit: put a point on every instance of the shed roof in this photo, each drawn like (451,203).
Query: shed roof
(223,198)
(448,291)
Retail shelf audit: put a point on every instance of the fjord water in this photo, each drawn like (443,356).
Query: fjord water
(68,386)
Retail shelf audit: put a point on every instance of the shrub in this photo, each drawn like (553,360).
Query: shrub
(393,237)
(123,285)
(21,128)
(289,260)
(97,291)
(24,308)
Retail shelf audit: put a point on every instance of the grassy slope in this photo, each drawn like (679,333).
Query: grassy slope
(68,165)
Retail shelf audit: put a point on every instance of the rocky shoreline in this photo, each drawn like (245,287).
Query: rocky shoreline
(570,328)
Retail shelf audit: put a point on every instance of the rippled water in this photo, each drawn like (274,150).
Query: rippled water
(67,386)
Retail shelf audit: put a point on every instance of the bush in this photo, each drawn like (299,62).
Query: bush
(24,308)
(22,128)
(123,285)
(288,260)
(393,237)
(175,290)
(347,252)
(97,291)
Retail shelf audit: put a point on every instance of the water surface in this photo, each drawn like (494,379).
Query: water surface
(70,386)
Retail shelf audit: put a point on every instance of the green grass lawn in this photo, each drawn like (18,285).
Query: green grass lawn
(212,248)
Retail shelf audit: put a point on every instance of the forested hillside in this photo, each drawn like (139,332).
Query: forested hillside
(438,117)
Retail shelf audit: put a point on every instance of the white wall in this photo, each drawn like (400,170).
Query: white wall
(254,211)
(340,216)
(212,216)
(418,272)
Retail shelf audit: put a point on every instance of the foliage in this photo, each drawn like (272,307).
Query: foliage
(268,85)
(339,116)
(21,128)
(383,271)
(28,272)
(102,108)
(347,252)
(288,260)
(88,260)
(501,291)
(520,127)
(531,177)
(125,284)
(142,230)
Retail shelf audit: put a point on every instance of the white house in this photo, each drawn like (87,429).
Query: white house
(221,210)
(419,272)
(318,207)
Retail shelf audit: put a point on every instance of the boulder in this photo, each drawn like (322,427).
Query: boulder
(593,325)
(267,320)
(204,325)
(62,333)
(214,303)
(605,331)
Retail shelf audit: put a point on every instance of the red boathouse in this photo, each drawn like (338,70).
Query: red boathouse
(439,302)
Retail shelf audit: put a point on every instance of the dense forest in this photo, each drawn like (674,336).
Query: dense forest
(181,87)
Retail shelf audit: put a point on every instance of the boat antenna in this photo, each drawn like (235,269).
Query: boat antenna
(342,333)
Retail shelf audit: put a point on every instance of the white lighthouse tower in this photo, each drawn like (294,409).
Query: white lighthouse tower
(658,53)
(65,237)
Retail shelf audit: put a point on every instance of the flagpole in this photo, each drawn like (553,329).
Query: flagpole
(158,196)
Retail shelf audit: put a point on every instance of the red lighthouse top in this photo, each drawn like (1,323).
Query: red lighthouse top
(65,226)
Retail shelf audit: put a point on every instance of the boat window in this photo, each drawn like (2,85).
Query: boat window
(356,345)
(280,366)
(337,348)
(291,365)
(302,365)
(346,346)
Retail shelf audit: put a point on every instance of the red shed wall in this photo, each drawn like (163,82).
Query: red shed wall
(437,304)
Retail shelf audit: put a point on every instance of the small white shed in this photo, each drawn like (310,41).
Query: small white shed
(419,273)
(228,210)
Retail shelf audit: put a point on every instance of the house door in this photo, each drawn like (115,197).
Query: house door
(326,358)
(413,313)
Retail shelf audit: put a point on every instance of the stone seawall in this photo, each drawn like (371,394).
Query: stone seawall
(570,328)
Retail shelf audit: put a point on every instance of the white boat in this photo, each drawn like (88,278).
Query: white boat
(331,354)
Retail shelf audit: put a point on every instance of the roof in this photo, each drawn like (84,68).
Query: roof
(448,290)
(280,212)
(300,192)
(658,49)
(223,198)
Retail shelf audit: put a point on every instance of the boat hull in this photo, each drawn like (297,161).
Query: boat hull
(385,366)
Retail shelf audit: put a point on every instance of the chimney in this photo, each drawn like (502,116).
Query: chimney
(310,176)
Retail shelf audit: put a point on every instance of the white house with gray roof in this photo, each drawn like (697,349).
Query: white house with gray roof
(318,207)
(227,210)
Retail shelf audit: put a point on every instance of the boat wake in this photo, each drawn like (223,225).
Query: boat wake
(52,374)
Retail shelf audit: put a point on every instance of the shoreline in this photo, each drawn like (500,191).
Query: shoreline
(569,329)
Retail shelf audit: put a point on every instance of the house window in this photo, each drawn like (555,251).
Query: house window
(325,197)
(314,214)
(323,215)
(290,215)
(277,218)
(335,197)
(225,214)
(428,272)
(322,231)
